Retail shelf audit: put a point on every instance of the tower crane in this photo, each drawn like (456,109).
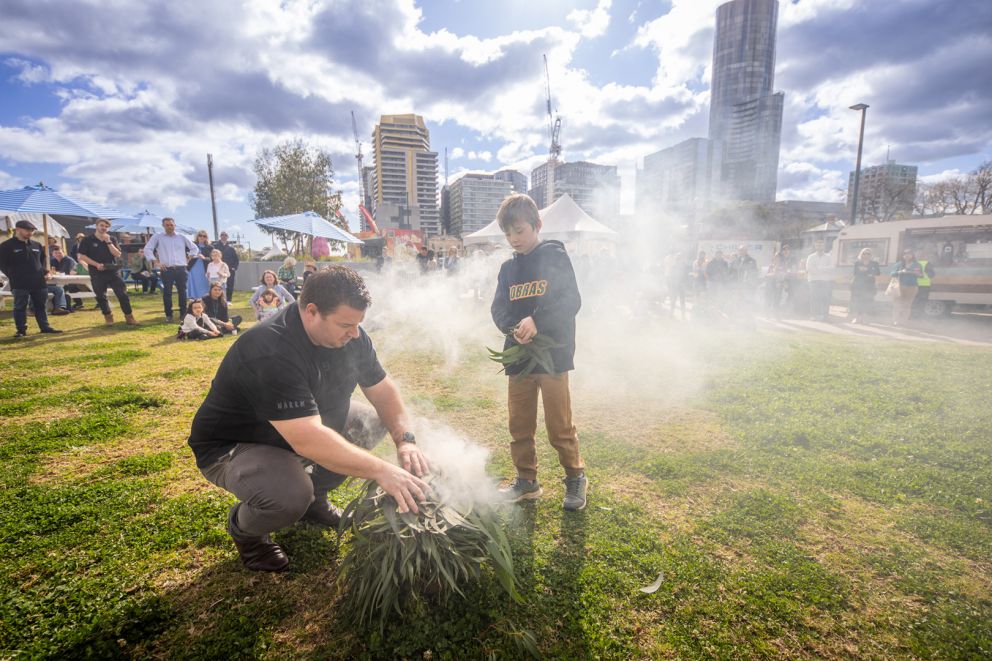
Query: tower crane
(363,213)
(554,131)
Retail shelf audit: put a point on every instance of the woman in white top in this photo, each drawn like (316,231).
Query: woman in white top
(270,281)
(217,271)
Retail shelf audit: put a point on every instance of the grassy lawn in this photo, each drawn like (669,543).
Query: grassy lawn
(802,496)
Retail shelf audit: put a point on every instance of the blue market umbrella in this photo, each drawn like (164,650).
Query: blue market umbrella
(144,222)
(42,199)
(309,223)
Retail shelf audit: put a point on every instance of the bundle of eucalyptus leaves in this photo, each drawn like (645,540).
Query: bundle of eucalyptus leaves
(534,354)
(397,557)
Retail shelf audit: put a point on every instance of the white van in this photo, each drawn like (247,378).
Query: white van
(959,247)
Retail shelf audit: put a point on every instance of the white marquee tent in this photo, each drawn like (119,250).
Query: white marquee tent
(563,220)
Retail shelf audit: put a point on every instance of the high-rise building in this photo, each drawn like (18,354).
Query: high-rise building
(595,188)
(885,192)
(368,174)
(745,113)
(679,179)
(474,200)
(517,180)
(405,170)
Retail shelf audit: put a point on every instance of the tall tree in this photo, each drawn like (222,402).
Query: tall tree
(294,177)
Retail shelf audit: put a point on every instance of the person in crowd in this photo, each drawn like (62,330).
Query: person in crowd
(287,275)
(309,268)
(423,260)
(923,284)
(677,279)
(217,271)
(909,272)
(698,273)
(143,273)
(215,307)
(230,256)
(74,250)
(59,303)
(819,275)
(536,293)
(717,279)
(65,265)
(102,255)
(450,263)
(197,325)
(279,430)
(781,282)
(271,281)
(23,261)
(863,287)
(268,304)
(743,274)
(197,285)
(171,251)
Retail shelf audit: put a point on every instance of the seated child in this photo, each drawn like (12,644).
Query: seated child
(268,304)
(196,325)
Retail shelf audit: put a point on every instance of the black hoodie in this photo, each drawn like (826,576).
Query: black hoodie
(540,284)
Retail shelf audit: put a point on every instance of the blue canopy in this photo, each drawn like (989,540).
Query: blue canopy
(310,223)
(144,222)
(42,199)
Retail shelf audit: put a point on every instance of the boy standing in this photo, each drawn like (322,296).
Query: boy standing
(536,293)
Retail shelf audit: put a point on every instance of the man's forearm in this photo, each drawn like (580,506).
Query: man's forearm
(385,398)
(311,439)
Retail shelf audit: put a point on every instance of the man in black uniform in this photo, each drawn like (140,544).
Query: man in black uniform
(278,428)
(230,257)
(102,254)
(23,262)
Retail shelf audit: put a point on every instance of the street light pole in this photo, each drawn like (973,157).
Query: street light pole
(857,168)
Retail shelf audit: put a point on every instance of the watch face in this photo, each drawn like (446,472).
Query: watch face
(409,437)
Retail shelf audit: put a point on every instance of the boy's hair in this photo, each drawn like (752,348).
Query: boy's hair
(517,207)
(335,286)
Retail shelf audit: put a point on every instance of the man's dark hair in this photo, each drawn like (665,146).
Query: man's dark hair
(334,286)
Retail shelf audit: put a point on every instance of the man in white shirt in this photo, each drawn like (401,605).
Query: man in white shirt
(819,272)
(172,251)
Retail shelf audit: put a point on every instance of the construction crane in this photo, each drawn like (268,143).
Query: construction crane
(363,213)
(554,131)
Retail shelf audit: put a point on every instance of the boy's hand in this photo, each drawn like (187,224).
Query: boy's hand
(525,330)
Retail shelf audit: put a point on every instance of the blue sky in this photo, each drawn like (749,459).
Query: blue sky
(120,102)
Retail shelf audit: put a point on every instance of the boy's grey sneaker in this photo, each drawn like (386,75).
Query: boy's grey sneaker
(521,489)
(575,493)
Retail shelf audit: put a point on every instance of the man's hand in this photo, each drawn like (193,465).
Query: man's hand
(99,267)
(405,488)
(412,459)
(525,331)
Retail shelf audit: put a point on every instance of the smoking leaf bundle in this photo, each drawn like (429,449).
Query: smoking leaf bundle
(396,557)
(535,353)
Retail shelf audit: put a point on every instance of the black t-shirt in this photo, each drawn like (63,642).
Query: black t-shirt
(98,251)
(274,372)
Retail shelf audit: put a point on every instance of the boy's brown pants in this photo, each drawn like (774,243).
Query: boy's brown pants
(522,401)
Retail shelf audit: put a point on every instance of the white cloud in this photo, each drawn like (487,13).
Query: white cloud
(591,23)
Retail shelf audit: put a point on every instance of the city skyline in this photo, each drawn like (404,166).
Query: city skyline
(129,121)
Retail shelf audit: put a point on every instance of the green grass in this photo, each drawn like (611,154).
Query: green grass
(818,497)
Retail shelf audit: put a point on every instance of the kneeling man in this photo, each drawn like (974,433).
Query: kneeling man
(278,428)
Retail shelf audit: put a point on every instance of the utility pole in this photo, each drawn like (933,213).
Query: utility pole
(213,200)
(857,168)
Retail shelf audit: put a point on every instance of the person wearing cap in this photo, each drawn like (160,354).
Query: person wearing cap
(74,250)
(102,254)
(229,256)
(23,262)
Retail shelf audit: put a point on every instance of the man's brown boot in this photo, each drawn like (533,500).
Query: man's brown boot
(322,513)
(130,320)
(108,318)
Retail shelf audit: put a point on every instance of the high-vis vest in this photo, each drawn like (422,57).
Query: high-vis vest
(923,280)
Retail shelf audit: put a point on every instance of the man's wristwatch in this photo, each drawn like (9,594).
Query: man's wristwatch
(408,437)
